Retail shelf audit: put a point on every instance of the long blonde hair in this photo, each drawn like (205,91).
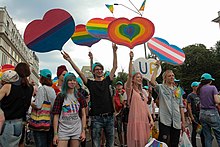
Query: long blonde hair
(164,75)
(140,87)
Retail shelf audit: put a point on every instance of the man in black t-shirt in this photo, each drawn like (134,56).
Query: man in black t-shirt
(193,105)
(101,101)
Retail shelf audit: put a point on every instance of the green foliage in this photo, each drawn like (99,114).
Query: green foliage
(199,60)
(122,76)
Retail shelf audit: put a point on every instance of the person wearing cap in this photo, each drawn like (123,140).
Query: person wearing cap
(193,106)
(61,71)
(140,121)
(69,115)
(119,105)
(44,93)
(16,100)
(209,116)
(101,101)
(8,77)
(171,112)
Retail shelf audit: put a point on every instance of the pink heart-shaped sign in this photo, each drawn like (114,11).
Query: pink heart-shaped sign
(50,33)
(130,32)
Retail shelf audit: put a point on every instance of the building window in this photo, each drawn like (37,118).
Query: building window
(4,59)
(8,24)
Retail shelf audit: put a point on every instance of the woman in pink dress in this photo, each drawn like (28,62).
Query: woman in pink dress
(140,120)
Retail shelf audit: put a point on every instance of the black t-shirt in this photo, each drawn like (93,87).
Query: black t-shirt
(16,104)
(100,97)
(195,103)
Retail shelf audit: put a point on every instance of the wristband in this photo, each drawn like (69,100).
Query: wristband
(55,133)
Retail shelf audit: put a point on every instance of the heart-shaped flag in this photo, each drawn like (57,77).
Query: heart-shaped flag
(50,33)
(98,27)
(82,37)
(165,52)
(130,32)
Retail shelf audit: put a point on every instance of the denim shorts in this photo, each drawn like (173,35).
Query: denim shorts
(12,133)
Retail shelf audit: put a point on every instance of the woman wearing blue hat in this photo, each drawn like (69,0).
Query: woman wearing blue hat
(45,93)
(209,115)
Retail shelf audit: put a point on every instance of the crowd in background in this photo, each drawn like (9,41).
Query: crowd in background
(78,106)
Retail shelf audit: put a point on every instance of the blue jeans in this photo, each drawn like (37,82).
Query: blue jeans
(102,122)
(43,138)
(210,119)
(12,133)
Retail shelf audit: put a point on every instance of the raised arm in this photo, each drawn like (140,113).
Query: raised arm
(91,60)
(115,61)
(67,57)
(154,75)
(129,80)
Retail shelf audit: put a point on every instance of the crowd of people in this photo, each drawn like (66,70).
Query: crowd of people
(78,105)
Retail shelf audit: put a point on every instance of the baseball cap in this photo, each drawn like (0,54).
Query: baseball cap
(195,84)
(175,80)
(146,87)
(46,73)
(119,82)
(206,76)
(10,76)
(97,64)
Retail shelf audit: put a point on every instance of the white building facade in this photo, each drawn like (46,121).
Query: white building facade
(12,47)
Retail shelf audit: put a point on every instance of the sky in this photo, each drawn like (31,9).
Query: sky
(181,23)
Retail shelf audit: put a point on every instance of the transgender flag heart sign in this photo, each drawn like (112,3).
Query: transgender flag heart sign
(50,33)
(130,32)
(166,52)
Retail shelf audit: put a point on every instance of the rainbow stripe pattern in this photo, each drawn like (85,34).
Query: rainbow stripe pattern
(82,37)
(110,7)
(142,6)
(4,68)
(166,52)
(50,33)
(40,119)
(98,27)
(178,92)
(130,32)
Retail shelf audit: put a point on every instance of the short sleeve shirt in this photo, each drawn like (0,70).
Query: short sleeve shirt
(169,111)
(206,95)
(194,100)
(100,96)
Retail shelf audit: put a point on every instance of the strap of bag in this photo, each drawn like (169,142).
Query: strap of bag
(45,91)
(131,96)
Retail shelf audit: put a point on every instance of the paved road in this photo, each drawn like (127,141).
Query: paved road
(89,143)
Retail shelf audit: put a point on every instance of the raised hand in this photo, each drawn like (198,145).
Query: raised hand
(66,56)
(90,55)
(131,54)
(114,46)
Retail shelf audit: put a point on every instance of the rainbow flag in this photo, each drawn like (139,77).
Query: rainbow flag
(110,7)
(142,6)
(178,92)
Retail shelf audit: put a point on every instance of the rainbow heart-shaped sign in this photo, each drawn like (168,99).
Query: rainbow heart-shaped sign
(130,32)
(50,33)
(82,37)
(166,52)
(98,27)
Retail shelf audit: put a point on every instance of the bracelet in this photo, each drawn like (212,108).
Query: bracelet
(55,133)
